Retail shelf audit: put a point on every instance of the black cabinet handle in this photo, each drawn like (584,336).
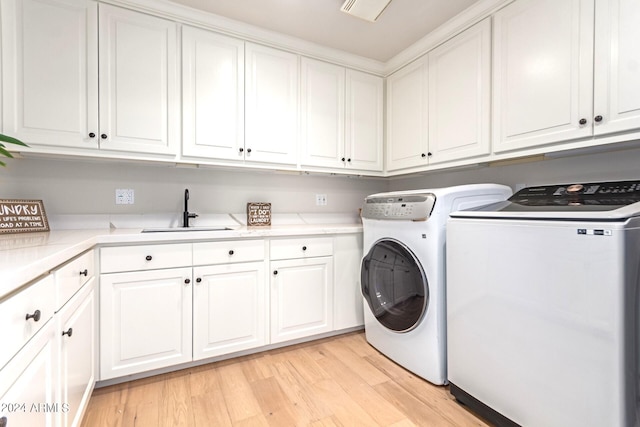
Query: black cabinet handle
(583,121)
(429,154)
(148,258)
(598,118)
(198,280)
(349,160)
(92,135)
(275,272)
(248,150)
(231,252)
(84,273)
(187,281)
(343,159)
(240,150)
(103,136)
(304,248)
(68,332)
(423,155)
(35,316)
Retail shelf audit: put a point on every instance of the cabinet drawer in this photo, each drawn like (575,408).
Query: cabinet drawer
(38,301)
(146,257)
(226,252)
(71,277)
(301,247)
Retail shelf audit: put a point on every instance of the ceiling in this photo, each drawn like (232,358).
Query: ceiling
(320,21)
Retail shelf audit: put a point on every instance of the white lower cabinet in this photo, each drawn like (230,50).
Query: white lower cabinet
(301,288)
(27,383)
(76,331)
(229,308)
(347,296)
(145,320)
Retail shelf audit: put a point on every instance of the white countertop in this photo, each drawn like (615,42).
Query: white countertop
(25,257)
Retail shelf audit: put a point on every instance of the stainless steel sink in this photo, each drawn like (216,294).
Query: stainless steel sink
(176,229)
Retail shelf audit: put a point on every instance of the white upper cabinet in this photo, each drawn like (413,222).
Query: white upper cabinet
(364,121)
(212,95)
(322,113)
(271,105)
(407,116)
(139,93)
(617,69)
(50,60)
(460,96)
(543,73)
(341,117)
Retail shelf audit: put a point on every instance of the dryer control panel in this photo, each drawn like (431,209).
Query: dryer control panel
(613,194)
(415,207)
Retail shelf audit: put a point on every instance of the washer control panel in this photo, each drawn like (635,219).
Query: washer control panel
(617,193)
(414,207)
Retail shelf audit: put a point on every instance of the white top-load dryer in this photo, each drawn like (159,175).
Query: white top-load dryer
(402,274)
(543,293)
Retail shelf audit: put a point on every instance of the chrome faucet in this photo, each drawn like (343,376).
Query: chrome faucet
(186,214)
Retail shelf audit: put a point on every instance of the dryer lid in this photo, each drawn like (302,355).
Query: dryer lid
(412,207)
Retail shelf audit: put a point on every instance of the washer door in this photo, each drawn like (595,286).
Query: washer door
(394,285)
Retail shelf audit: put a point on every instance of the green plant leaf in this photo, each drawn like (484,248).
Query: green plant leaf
(5,153)
(12,140)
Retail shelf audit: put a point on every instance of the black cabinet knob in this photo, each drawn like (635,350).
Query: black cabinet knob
(423,155)
(35,316)
(343,159)
(187,281)
(68,332)
(103,136)
(349,160)
(304,248)
(583,121)
(231,252)
(275,272)
(429,154)
(84,273)
(148,257)
(92,135)
(598,118)
(240,150)
(198,280)
(248,150)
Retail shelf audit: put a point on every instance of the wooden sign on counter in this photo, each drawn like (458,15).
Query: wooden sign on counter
(22,216)
(258,214)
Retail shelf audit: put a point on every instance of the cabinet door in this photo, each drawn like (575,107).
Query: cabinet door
(301,298)
(212,95)
(407,107)
(348,303)
(27,384)
(543,72)
(617,73)
(50,66)
(460,95)
(229,309)
(271,105)
(77,322)
(322,114)
(139,96)
(364,121)
(145,321)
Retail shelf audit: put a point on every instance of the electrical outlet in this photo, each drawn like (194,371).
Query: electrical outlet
(124,196)
(321,200)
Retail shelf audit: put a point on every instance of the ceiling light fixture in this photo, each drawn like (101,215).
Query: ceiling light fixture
(369,10)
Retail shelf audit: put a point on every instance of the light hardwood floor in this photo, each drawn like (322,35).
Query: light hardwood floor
(338,381)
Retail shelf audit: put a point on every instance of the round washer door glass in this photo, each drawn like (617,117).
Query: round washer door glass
(394,285)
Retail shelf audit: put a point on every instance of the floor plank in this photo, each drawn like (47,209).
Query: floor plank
(339,381)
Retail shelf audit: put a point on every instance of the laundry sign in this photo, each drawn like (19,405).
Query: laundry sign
(22,216)
(258,214)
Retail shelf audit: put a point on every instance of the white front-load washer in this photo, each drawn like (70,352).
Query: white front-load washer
(402,272)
